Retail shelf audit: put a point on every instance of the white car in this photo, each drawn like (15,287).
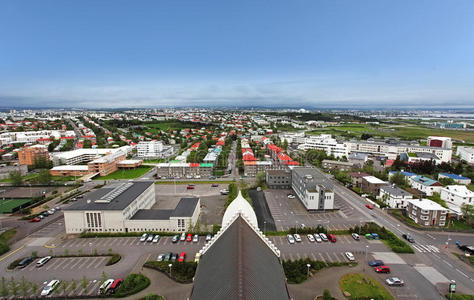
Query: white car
(224,192)
(355,236)
(160,257)
(311,238)
(290,196)
(350,256)
(143,238)
(156,238)
(208,237)
(317,237)
(195,238)
(150,238)
(43,261)
(297,238)
(49,288)
(323,237)
(197,176)
(290,238)
(182,237)
(394,281)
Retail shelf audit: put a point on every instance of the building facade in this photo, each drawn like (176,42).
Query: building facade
(426,212)
(394,196)
(457,195)
(425,185)
(372,185)
(466,154)
(313,189)
(278,179)
(30,155)
(337,165)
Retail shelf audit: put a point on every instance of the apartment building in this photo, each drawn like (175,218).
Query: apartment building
(337,165)
(425,185)
(466,154)
(372,185)
(31,154)
(153,149)
(457,178)
(326,143)
(251,168)
(178,169)
(278,179)
(356,178)
(394,196)
(30,137)
(426,212)
(107,164)
(313,189)
(457,195)
(80,156)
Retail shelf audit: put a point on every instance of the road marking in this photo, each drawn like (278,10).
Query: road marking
(435,255)
(431,236)
(329,257)
(462,273)
(426,248)
(14,251)
(447,263)
(80,259)
(314,257)
(321,256)
(417,248)
(60,263)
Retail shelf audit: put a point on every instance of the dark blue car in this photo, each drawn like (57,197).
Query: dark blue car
(376,263)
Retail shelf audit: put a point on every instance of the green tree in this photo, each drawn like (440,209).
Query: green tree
(34,288)
(44,177)
(327,295)
(23,286)
(84,283)
(13,287)
(398,179)
(260,179)
(447,181)
(64,286)
(468,213)
(103,278)
(16,177)
(4,288)
(73,285)
(66,252)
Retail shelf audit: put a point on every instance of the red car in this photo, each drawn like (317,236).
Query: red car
(182,257)
(189,237)
(190,187)
(382,269)
(369,206)
(332,238)
(35,219)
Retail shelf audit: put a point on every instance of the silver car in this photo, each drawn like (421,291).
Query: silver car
(317,237)
(290,238)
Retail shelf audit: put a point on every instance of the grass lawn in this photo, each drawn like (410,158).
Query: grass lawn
(6,206)
(154,161)
(363,287)
(25,178)
(167,125)
(125,174)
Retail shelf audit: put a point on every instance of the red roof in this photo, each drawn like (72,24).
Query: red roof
(274,148)
(292,163)
(43,139)
(194,165)
(283,156)
(389,162)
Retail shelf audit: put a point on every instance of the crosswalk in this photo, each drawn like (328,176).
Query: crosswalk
(425,248)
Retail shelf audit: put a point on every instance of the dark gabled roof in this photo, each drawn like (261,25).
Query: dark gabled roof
(185,207)
(116,202)
(152,214)
(239,265)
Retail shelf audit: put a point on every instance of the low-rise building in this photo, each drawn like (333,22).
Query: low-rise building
(372,185)
(457,178)
(313,189)
(69,170)
(356,178)
(107,164)
(6,170)
(457,195)
(466,154)
(179,169)
(426,212)
(278,179)
(80,156)
(337,165)
(394,196)
(326,143)
(417,157)
(153,150)
(424,184)
(251,168)
(129,163)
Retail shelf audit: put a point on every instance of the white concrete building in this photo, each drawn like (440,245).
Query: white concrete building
(425,184)
(326,143)
(426,212)
(313,189)
(394,196)
(153,149)
(33,136)
(125,207)
(457,195)
(80,156)
(466,154)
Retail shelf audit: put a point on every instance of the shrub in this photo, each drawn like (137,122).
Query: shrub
(396,244)
(113,259)
(14,263)
(152,297)
(306,230)
(132,284)
(182,272)
(296,271)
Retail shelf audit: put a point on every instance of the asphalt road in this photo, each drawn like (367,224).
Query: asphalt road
(264,216)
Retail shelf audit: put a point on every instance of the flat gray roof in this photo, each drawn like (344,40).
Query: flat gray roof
(317,178)
(118,201)
(152,214)
(185,207)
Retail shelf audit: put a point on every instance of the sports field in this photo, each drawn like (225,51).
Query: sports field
(125,174)
(7,206)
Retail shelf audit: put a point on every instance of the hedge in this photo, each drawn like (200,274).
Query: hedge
(182,272)
(132,284)
(296,271)
(390,239)
(113,259)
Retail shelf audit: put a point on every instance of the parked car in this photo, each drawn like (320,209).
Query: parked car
(466,248)
(382,269)
(368,236)
(375,236)
(208,237)
(144,237)
(290,238)
(182,257)
(43,261)
(183,237)
(376,263)
(190,187)
(175,239)
(408,237)
(394,281)
(214,185)
(195,238)
(174,257)
(297,238)
(212,177)
(49,288)
(156,238)
(114,286)
(24,262)
(323,237)
(189,237)
(355,236)
(37,219)
(332,238)
(290,196)
(167,256)
(311,238)
(369,206)
(105,286)
(196,257)
(224,192)
(350,256)
(318,238)
(150,238)
(160,257)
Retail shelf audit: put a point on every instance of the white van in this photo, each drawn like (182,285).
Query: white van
(105,286)
(43,261)
(48,289)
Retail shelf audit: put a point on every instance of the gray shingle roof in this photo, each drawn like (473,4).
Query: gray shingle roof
(395,191)
(185,207)
(239,265)
(118,202)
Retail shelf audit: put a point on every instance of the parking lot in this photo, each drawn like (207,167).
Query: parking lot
(289,213)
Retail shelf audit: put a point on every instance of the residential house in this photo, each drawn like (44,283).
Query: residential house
(424,184)
(394,196)
(457,195)
(372,185)
(426,212)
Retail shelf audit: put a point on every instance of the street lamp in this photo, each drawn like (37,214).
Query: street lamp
(90,247)
(170,265)
(308,265)
(366,248)
(264,226)
(296,227)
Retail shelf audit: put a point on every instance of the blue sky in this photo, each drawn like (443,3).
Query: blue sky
(294,53)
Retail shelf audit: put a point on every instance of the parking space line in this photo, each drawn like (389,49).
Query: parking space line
(63,260)
(80,259)
(72,260)
(93,287)
(52,263)
(343,256)
(92,261)
(329,257)
(314,257)
(82,264)
(291,257)
(165,241)
(321,257)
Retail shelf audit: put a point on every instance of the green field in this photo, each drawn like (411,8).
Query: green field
(125,174)
(361,287)
(167,125)
(408,132)
(25,178)
(7,206)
